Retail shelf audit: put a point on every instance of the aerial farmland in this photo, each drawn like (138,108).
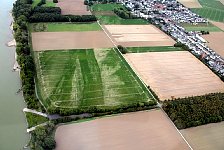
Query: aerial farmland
(125,74)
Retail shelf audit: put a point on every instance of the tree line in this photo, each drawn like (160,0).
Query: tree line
(124,13)
(195,111)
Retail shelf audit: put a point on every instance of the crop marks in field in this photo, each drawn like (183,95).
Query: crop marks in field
(82,78)
(213,10)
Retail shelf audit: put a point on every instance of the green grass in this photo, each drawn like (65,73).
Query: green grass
(34,119)
(83,78)
(212,9)
(48,3)
(153,49)
(201,27)
(105,7)
(117,20)
(55,27)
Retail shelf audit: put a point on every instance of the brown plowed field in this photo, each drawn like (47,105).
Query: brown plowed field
(219,24)
(150,130)
(138,35)
(190,3)
(73,7)
(216,42)
(174,74)
(70,40)
(206,137)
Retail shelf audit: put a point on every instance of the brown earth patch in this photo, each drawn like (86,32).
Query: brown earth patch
(69,40)
(218,24)
(73,7)
(190,3)
(205,137)
(215,42)
(140,130)
(174,74)
(138,35)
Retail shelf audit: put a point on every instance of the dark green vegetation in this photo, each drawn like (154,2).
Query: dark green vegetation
(21,12)
(34,119)
(105,13)
(152,49)
(56,27)
(42,138)
(201,27)
(212,9)
(195,111)
(78,81)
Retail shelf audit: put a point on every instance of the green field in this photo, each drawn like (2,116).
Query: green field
(34,119)
(153,49)
(60,27)
(48,3)
(201,27)
(110,18)
(105,7)
(212,9)
(83,78)
(117,20)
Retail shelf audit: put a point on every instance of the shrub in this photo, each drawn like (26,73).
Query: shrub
(55,1)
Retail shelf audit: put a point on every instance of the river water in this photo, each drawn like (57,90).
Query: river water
(13,134)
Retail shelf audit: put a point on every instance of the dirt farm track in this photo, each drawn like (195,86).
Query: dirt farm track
(69,40)
(174,74)
(140,130)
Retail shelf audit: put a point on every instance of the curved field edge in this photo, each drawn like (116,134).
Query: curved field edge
(103,103)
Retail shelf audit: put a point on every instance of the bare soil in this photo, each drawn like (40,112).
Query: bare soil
(215,42)
(73,7)
(69,40)
(138,35)
(206,137)
(140,130)
(174,74)
(190,3)
(218,24)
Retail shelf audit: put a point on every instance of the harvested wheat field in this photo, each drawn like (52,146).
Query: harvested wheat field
(69,40)
(73,7)
(174,74)
(206,137)
(138,35)
(140,130)
(190,3)
(215,42)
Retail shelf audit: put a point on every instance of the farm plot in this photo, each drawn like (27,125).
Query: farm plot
(201,27)
(138,35)
(69,40)
(215,41)
(139,130)
(83,78)
(212,9)
(175,74)
(73,7)
(218,24)
(190,3)
(61,27)
(205,137)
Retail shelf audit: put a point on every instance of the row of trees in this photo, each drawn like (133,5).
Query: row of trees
(54,10)
(21,12)
(52,17)
(195,111)
(41,138)
(91,2)
(123,13)
(95,111)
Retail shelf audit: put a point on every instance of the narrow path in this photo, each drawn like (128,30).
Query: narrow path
(35,112)
(33,128)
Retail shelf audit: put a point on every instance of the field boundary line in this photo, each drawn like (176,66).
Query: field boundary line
(128,63)
(177,129)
